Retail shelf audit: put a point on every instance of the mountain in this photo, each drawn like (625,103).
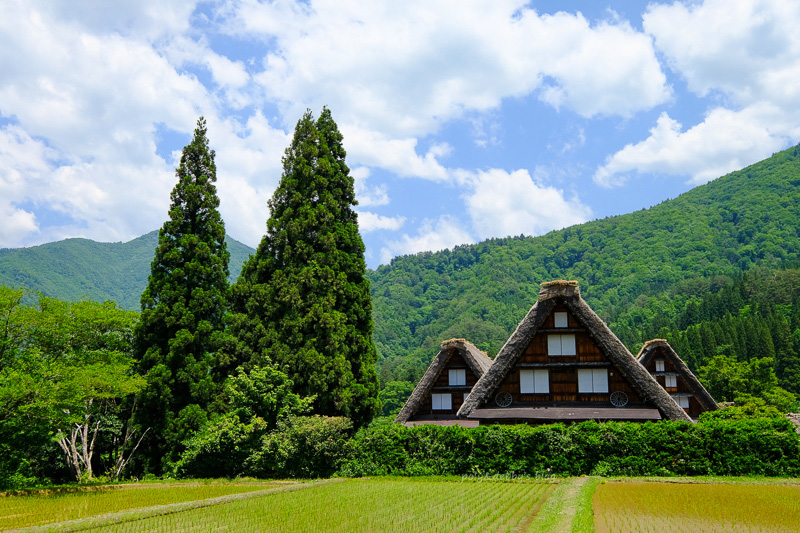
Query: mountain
(73,269)
(639,271)
(643,272)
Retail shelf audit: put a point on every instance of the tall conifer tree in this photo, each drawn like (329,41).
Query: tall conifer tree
(183,307)
(303,299)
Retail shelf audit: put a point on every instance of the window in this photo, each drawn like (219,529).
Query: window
(671,380)
(561,345)
(592,380)
(561,319)
(683,401)
(441,402)
(534,381)
(458,376)
(659,365)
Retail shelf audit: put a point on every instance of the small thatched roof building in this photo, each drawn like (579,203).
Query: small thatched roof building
(444,386)
(563,363)
(669,370)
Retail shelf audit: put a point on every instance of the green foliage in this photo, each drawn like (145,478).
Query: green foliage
(727,380)
(394,395)
(183,306)
(255,404)
(62,365)
(716,446)
(302,302)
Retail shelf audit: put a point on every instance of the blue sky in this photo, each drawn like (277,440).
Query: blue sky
(462,120)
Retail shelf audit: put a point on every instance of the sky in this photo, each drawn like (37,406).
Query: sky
(462,120)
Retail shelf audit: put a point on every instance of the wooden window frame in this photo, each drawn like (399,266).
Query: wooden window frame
(599,380)
(555,343)
(460,376)
(437,397)
(539,381)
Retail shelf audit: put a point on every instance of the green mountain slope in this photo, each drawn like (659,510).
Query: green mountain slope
(638,271)
(73,269)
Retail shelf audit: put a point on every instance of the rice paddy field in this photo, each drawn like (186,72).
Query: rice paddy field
(417,504)
(696,507)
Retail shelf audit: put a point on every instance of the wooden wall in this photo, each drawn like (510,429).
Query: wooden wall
(564,368)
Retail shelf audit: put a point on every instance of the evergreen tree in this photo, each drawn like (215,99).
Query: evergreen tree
(183,307)
(302,302)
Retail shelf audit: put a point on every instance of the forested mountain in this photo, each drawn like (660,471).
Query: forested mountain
(73,269)
(722,251)
(639,271)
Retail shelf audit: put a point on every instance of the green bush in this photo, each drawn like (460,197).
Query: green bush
(715,446)
(302,446)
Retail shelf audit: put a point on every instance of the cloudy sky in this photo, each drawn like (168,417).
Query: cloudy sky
(463,120)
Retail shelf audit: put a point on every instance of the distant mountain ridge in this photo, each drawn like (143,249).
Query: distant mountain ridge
(74,269)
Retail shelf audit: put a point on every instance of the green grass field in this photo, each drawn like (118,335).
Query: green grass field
(418,504)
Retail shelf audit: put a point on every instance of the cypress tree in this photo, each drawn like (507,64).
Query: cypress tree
(302,302)
(183,306)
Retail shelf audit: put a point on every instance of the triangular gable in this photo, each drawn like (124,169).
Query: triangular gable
(568,294)
(477,361)
(660,347)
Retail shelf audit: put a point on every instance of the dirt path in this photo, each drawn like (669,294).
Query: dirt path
(570,503)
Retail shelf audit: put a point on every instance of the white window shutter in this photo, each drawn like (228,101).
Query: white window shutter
(447,401)
(526,385)
(561,319)
(585,380)
(659,365)
(600,379)
(554,345)
(568,345)
(436,401)
(541,381)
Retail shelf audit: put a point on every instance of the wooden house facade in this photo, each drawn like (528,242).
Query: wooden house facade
(669,370)
(563,364)
(445,385)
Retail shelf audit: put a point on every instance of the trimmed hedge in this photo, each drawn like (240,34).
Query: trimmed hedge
(765,447)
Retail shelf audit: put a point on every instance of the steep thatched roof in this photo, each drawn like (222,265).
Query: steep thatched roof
(478,362)
(651,348)
(569,294)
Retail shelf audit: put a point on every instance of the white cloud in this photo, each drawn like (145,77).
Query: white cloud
(368,196)
(741,48)
(502,204)
(434,236)
(396,155)
(747,54)
(406,68)
(723,142)
(371,222)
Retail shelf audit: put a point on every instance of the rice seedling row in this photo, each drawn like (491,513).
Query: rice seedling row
(654,506)
(369,505)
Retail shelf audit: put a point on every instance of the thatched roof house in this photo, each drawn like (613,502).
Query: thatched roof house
(564,364)
(669,370)
(444,386)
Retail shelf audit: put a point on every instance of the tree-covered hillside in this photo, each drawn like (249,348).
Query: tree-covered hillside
(638,271)
(74,269)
